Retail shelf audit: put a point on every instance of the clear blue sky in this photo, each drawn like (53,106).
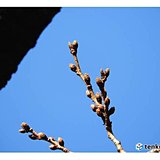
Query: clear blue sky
(51,98)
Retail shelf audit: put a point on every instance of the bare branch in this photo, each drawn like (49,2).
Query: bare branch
(101,100)
(59,144)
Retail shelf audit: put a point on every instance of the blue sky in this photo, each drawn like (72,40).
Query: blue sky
(48,96)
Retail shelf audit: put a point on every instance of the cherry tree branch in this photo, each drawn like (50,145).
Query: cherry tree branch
(101,100)
(59,144)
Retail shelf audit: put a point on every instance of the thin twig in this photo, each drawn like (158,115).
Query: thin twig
(59,144)
(101,101)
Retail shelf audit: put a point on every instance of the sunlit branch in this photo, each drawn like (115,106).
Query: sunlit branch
(101,100)
(59,144)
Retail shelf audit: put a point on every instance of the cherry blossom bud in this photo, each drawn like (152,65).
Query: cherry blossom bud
(33,137)
(22,131)
(111,111)
(73,47)
(73,67)
(88,93)
(25,126)
(98,97)
(99,113)
(102,73)
(87,78)
(101,107)
(60,141)
(75,44)
(99,83)
(70,45)
(93,107)
(107,72)
(42,136)
(53,147)
(107,101)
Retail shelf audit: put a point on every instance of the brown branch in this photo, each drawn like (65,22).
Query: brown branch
(59,144)
(101,100)
(154,151)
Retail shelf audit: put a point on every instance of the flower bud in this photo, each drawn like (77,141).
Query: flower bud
(25,126)
(33,137)
(107,101)
(70,45)
(42,136)
(87,78)
(111,111)
(73,47)
(99,83)
(102,73)
(99,113)
(98,97)
(53,147)
(60,141)
(22,131)
(107,72)
(101,107)
(93,107)
(88,93)
(75,44)
(73,67)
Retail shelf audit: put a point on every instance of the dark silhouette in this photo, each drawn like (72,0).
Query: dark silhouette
(19,31)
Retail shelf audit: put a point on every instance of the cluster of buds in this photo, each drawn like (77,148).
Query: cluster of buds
(56,144)
(59,144)
(98,109)
(73,50)
(101,100)
(73,47)
(101,81)
(25,128)
(101,110)
(101,106)
(104,74)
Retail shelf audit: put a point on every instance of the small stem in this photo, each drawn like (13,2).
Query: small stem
(115,141)
(104,93)
(79,73)
(58,146)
